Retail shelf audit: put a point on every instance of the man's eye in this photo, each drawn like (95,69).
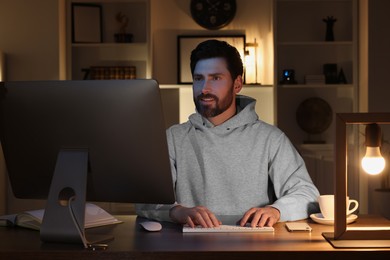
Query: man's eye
(197,78)
(216,78)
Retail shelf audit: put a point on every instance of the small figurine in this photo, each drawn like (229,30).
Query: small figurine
(123,20)
(342,79)
(329,28)
(122,36)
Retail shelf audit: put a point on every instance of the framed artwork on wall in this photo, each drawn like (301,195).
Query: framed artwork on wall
(186,43)
(86,23)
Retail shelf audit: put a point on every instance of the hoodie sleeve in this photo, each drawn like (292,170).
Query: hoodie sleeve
(295,192)
(160,212)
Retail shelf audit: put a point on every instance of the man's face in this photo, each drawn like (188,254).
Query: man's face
(213,88)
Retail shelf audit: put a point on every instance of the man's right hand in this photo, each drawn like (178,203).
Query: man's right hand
(194,216)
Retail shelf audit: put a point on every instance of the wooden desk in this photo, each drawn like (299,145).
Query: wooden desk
(132,242)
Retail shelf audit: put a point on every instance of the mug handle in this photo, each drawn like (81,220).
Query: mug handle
(350,211)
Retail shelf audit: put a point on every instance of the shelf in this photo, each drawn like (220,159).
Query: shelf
(257,86)
(246,86)
(317,86)
(114,51)
(106,44)
(303,20)
(108,53)
(300,45)
(314,43)
(311,1)
(308,59)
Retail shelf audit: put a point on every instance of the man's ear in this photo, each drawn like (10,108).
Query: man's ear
(238,83)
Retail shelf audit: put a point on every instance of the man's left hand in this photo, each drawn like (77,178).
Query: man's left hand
(261,217)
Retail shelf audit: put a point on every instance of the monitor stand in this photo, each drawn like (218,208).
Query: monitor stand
(63,221)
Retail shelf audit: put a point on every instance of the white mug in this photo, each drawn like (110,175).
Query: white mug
(326,203)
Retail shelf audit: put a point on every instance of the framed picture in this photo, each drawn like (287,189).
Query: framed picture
(186,43)
(86,23)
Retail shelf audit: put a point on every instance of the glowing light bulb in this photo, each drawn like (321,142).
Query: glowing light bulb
(373,163)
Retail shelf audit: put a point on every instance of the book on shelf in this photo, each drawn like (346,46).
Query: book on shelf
(32,219)
(113,72)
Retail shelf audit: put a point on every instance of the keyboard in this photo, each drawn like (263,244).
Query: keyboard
(227,229)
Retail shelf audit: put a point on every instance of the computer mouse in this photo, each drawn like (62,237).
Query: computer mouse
(151,226)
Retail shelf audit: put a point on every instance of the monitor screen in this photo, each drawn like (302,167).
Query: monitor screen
(117,125)
(119,122)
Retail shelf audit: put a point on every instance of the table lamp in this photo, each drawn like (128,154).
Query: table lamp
(356,237)
(251,61)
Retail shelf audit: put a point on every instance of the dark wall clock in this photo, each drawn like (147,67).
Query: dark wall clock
(213,14)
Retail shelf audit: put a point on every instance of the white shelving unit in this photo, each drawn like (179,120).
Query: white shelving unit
(137,53)
(300,45)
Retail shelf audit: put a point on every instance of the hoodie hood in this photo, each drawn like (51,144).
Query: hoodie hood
(245,115)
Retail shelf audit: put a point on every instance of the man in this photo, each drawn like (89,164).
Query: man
(224,160)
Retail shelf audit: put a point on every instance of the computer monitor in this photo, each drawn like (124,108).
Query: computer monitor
(94,140)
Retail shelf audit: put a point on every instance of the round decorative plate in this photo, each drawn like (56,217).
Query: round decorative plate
(314,115)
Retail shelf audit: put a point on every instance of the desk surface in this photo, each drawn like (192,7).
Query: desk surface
(131,241)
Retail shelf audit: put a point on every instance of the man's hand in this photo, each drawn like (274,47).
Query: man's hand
(261,217)
(194,216)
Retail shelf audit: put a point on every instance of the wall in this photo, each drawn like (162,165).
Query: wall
(379,42)
(378,74)
(29,39)
(170,18)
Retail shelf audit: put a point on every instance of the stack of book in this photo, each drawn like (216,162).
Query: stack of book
(94,217)
(113,72)
(315,79)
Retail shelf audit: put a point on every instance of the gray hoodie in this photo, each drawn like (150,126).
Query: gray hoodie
(232,167)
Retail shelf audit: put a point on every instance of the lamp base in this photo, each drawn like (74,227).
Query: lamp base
(356,243)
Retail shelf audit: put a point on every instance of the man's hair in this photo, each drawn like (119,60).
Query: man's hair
(218,49)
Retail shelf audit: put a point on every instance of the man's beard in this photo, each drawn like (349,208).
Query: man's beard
(218,108)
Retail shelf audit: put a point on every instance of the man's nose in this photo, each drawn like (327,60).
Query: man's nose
(206,88)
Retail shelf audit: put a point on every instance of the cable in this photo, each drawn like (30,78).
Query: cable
(81,233)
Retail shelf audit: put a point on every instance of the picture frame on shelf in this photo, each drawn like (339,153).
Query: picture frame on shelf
(186,43)
(86,23)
